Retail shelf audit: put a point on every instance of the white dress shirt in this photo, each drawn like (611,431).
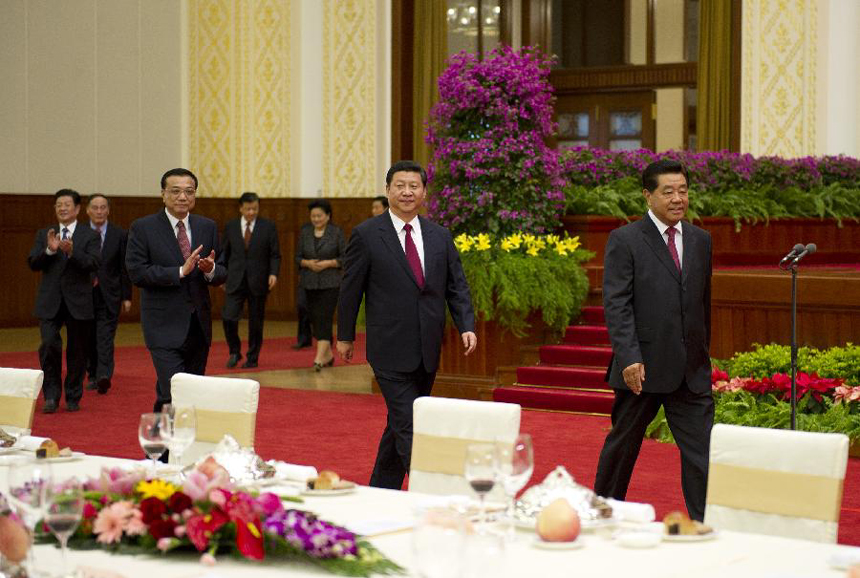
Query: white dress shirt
(416,236)
(186,221)
(663,227)
(245,224)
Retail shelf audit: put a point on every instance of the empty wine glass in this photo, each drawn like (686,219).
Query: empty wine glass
(516,465)
(28,480)
(183,429)
(65,506)
(153,433)
(480,471)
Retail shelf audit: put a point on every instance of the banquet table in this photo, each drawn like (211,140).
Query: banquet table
(732,554)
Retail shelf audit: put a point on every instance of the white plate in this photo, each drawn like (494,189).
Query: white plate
(58,459)
(544,545)
(636,539)
(9,450)
(844,559)
(336,492)
(690,537)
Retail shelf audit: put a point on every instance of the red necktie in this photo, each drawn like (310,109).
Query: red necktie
(412,256)
(182,237)
(247,235)
(673,250)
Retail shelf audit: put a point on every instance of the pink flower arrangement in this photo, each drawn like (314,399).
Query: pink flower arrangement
(846,394)
(780,385)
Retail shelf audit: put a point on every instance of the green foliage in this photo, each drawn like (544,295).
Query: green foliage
(508,286)
(765,360)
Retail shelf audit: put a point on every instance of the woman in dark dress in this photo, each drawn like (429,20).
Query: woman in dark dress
(319,255)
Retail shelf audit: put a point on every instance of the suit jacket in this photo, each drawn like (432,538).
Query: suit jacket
(153,259)
(405,324)
(68,279)
(656,315)
(263,257)
(332,245)
(114,283)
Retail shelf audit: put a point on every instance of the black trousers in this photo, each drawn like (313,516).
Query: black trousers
(321,306)
(304,337)
(232,313)
(400,391)
(100,354)
(690,416)
(51,355)
(190,357)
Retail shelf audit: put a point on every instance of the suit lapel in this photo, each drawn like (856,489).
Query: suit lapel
(689,243)
(389,237)
(169,237)
(655,241)
(430,240)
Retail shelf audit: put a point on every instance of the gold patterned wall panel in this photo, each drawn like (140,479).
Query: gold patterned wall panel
(239,96)
(779,59)
(349,92)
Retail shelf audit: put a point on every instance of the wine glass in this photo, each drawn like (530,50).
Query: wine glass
(516,465)
(28,480)
(65,506)
(183,429)
(480,471)
(153,433)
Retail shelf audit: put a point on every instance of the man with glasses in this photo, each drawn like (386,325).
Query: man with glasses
(67,256)
(171,258)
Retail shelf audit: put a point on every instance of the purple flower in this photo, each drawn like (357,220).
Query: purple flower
(316,537)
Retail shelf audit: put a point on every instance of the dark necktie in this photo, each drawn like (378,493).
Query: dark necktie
(247,235)
(182,237)
(101,239)
(65,233)
(673,250)
(412,256)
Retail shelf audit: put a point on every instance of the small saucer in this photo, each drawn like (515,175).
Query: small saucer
(544,545)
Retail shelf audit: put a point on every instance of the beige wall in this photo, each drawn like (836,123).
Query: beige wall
(91,95)
(670,119)
(668,31)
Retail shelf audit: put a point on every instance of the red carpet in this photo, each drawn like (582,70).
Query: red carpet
(301,426)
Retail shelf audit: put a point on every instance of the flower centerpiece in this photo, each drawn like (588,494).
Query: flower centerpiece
(498,187)
(126,512)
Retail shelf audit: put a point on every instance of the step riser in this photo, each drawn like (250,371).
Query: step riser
(586,335)
(569,356)
(592,316)
(572,377)
(589,403)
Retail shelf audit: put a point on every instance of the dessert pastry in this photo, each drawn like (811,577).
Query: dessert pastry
(48,449)
(679,524)
(328,480)
(6,441)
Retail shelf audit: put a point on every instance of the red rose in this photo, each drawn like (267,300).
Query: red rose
(162,529)
(152,509)
(179,502)
(90,511)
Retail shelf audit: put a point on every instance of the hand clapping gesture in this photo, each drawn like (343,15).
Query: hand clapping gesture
(53,241)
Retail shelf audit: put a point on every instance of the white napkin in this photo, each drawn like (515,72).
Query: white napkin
(29,443)
(293,472)
(632,511)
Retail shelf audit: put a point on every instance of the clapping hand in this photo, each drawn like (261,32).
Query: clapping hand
(207,265)
(66,246)
(53,241)
(191,261)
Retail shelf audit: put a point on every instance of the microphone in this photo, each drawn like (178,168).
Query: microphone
(808,250)
(795,251)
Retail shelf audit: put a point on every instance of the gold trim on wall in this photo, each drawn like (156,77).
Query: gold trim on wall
(349,98)
(779,59)
(239,70)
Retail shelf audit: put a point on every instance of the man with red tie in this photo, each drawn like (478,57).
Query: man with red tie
(67,256)
(171,258)
(407,269)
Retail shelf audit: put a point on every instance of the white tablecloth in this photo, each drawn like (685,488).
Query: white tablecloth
(731,554)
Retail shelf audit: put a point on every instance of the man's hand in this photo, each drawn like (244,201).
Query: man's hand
(191,261)
(345,350)
(634,375)
(67,246)
(470,341)
(53,241)
(126,305)
(207,265)
(273,280)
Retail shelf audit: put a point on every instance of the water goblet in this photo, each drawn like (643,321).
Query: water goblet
(183,430)
(28,480)
(516,465)
(65,506)
(480,471)
(153,433)
(438,543)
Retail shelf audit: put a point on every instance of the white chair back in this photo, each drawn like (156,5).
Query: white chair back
(19,389)
(224,405)
(776,482)
(442,428)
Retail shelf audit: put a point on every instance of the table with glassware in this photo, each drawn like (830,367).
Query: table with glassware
(393,520)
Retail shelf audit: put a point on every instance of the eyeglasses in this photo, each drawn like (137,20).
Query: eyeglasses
(175,192)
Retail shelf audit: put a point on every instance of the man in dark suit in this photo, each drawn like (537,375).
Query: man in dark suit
(175,307)
(657,297)
(252,256)
(407,269)
(67,255)
(111,289)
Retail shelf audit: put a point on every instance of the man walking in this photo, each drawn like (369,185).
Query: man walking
(407,269)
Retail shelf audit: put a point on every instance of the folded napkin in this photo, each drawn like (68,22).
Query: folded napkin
(292,472)
(29,443)
(632,511)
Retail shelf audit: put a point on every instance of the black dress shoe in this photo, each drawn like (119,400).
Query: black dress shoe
(92,385)
(72,406)
(298,346)
(50,407)
(233,360)
(103,385)
(249,364)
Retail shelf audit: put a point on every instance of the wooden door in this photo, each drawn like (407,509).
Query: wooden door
(612,121)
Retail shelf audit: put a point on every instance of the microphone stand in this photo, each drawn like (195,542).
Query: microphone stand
(794,345)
